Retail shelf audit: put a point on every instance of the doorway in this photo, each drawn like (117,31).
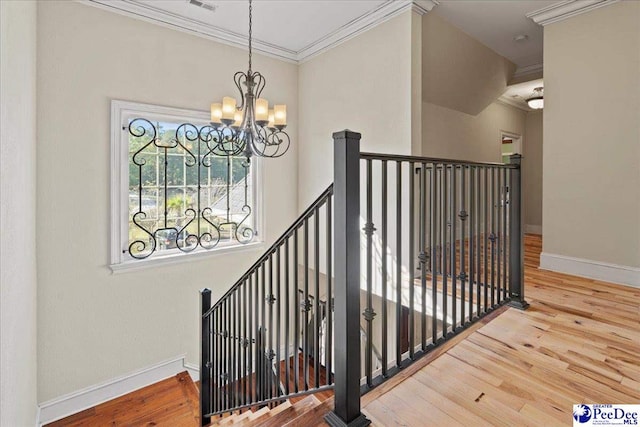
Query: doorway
(510,143)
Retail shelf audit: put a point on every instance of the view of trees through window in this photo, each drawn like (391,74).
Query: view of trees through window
(181,194)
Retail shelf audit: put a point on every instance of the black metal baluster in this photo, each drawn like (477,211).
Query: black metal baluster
(307,307)
(237,347)
(464,216)
(478,217)
(485,237)
(328,353)
(220,361)
(287,313)
(215,382)
(271,330)
(263,332)
(499,238)
(492,236)
(221,379)
(472,252)
(239,344)
(229,358)
(412,337)
(383,250)
(317,310)
(250,340)
(233,351)
(278,320)
(443,251)
(453,251)
(398,262)
(423,254)
(255,330)
(296,313)
(369,313)
(505,227)
(433,224)
(247,342)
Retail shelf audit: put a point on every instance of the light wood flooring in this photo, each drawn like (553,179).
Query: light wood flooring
(578,342)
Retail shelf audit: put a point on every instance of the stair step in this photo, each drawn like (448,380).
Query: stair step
(257,414)
(311,415)
(238,418)
(293,411)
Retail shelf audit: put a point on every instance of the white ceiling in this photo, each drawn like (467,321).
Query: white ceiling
(292,25)
(496,23)
(296,30)
(517,94)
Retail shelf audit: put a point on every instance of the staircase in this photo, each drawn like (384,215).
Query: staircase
(428,248)
(308,411)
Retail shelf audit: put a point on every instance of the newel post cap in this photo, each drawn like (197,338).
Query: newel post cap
(347,134)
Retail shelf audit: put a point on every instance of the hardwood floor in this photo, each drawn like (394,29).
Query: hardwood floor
(172,402)
(579,342)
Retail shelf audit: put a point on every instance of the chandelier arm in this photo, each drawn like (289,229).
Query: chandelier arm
(261,82)
(239,78)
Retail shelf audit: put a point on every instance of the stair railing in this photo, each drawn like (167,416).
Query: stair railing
(441,239)
(258,322)
(439,245)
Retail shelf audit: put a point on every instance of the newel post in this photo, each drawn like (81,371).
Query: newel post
(346,193)
(516,241)
(205,358)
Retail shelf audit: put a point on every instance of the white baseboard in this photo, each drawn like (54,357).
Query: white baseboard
(533,229)
(613,273)
(91,396)
(194,371)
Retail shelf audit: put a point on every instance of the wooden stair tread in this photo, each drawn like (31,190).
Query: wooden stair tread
(313,414)
(293,411)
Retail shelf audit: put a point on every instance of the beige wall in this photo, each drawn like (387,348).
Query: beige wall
(459,72)
(532,171)
(451,134)
(365,85)
(591,206)
(18,289)
(93,325)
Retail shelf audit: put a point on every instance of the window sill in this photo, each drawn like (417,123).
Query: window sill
(180,257)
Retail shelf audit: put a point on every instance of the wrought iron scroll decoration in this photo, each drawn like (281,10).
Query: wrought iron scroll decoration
(208,142)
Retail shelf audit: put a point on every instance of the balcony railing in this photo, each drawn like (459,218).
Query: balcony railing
(399,255)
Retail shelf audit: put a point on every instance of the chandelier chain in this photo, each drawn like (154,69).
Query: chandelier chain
(250,32)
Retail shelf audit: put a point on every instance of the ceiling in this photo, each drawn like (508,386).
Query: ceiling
(291,25)
(517,94)
(496,23)
(296,30)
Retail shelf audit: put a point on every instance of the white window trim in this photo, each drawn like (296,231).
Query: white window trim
(119,261)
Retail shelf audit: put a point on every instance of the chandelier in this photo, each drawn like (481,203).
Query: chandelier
(251,127)
(536,101)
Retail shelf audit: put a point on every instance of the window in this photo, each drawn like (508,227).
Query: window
(177,186)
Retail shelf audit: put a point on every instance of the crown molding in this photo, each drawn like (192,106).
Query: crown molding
(529,69)
(511,103)
(383,13)
(566,9)
(424,6)
(148,13)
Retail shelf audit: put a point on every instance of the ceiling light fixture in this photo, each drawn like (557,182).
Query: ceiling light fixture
(250,128)
(536,101)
